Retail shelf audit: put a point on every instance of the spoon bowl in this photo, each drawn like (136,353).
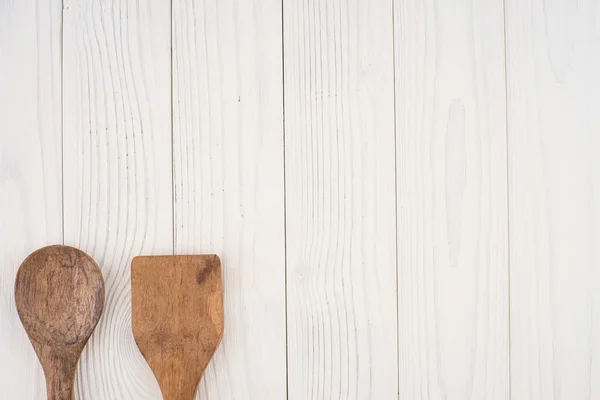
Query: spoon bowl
(59,294)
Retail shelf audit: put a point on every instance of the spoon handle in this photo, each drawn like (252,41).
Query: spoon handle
(60,380)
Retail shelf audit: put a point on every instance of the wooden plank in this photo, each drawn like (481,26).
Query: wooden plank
(339,129)
(553,59)
(117,169)
(452,200)
(228,178)
(30,169)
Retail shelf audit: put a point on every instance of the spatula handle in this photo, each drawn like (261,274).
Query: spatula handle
(178,386)
(185,396)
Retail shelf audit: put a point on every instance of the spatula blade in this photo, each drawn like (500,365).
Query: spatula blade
(177,316)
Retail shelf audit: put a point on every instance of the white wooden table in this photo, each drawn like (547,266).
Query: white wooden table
(405,194)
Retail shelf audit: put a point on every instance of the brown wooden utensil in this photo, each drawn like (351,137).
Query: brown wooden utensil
(59,293)
(177,316)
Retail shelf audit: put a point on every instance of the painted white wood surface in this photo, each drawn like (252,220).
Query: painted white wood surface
(228,179)
(553,59)
(30,170)
(340,220)
(117,169)
(452,204)
(366,251)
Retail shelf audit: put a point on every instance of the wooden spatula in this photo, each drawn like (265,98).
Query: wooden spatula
(177,315)
(59,293)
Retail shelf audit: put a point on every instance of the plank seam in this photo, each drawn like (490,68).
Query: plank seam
(396,197)
(507,197)
(285,253)
(172,136)
(62,119)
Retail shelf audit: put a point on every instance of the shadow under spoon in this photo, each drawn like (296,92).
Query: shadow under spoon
(59,294)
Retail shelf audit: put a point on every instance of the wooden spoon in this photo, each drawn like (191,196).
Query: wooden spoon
(59,293)
(177,316)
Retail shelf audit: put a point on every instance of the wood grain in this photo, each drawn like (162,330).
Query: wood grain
(177,315)
(59,295)
(117,169)
(452,201)
(339,130)
(228,180)
(30,169)
(553,59)
(225,186)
